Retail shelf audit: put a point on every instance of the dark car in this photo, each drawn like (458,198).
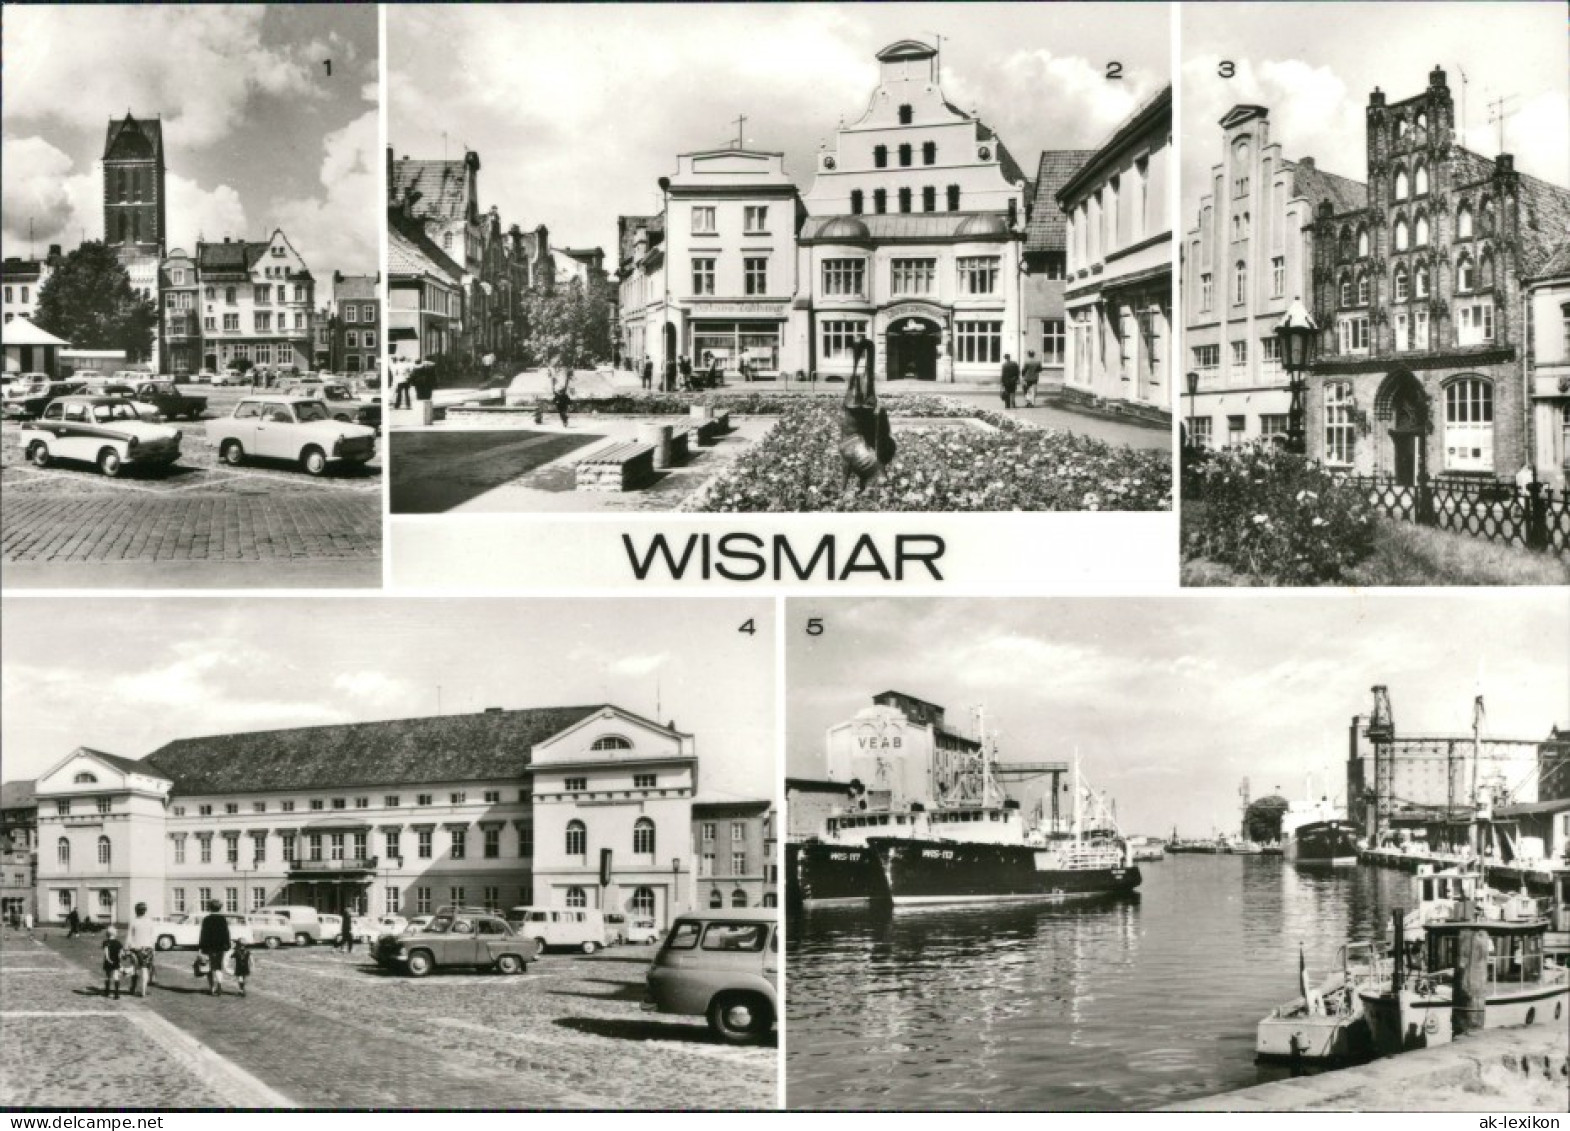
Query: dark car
(460,940)
(170,402)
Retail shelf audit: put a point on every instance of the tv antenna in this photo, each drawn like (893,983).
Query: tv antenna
(1462,69)
(1498,110)
(741,127)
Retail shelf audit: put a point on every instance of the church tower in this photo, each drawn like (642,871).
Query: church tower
(134,216)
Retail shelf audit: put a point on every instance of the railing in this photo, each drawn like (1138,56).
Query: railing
(1534,516)
(349,864)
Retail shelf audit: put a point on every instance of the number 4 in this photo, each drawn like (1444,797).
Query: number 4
(749,628)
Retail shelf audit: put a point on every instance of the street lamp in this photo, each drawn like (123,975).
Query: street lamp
(1296,336)
(1192,378)
(670,916)
(666,332)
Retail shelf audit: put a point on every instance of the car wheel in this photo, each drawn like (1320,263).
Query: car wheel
(421,963)
(232,453)
(271,942)
(739,1018)
(510,964)
(302,939)
(590,946)
(165,942)
(109,462)
(314,460)
(39,453)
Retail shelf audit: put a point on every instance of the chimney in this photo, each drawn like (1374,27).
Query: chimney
(1377,98)
(493,710)
(1504,163)
(1436,78)
(1306,163)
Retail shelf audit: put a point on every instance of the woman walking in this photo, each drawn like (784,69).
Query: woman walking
(214,944)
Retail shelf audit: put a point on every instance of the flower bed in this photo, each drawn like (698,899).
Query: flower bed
(797,467)
(1278,517)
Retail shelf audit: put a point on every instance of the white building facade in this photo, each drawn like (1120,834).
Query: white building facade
(1548,299)
(913,237)
(1118,295)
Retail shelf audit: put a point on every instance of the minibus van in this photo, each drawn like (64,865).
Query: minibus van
(580,928)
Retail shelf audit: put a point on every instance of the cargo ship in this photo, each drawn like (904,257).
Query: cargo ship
(1317,833)
(935,825)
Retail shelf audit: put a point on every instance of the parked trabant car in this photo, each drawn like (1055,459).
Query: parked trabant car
(170,402)
(299,429)
(102,430)
(269,930)
(641,931)
(721,965)
(170,931)
(344,404)
(31,405)
(240,929)
(332,927)
(459,940)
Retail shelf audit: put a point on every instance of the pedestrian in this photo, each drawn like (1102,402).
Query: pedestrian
(142,941)
(561,394)
(346,935)
(1030,377)
(73,921)
(27,923)
(242,964)
(684,368)
(716,373)
(214,943)
(648,373)
(1010,380)
(114,951)
(401,368)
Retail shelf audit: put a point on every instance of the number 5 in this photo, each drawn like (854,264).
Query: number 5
(815,626)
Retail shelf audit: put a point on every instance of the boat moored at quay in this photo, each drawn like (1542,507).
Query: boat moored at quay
(935,826)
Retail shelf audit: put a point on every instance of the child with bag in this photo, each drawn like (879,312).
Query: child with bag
(114,955)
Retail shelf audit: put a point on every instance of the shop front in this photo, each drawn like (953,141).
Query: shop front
(734,334)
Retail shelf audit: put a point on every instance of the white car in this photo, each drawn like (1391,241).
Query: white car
(369,930)
(642,931)
(170,931)
(239,929)
(107,431)
(299,429)
(332,927)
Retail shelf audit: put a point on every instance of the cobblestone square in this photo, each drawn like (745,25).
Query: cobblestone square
(320,1028)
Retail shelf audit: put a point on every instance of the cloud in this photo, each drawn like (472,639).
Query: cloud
(336,230)
(371,687)
(36,189)
(209,214)
(196,66)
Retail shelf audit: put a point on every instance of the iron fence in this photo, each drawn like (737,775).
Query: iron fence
(1534,516)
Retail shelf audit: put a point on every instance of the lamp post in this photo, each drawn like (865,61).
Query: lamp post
(666,332)
(1192,378)
(1296,335)
(670,915)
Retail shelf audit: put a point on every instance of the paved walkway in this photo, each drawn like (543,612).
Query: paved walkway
(223,528)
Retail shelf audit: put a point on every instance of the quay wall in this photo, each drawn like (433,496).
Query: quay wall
(1517,1070)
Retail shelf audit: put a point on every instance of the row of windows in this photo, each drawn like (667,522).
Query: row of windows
(1278,283)
(352,846)
(577,838)
(9,297)
(262,294)
(1415,282)
(975,340)
(705,219)
(905,201)
(755,275)
(63,804)
(261,322)
(905,154)
(976,275)
(353,312)
(1474,322)
(355,339)
(318,804)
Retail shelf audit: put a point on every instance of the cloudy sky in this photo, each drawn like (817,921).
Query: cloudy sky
(1314,66)
(257,135)
(1173,701)
(213,666)
(576,111)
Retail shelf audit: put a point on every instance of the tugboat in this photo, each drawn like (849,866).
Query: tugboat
(1414,1010)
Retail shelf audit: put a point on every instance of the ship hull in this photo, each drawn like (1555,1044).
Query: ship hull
(1409,1020)
(1325,843)
(831,875)
(938,871)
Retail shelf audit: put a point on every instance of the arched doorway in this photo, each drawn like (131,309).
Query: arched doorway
(913,349)
(1402,409)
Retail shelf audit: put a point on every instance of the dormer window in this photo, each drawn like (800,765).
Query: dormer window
(906,114)
(611,742)
(85,778)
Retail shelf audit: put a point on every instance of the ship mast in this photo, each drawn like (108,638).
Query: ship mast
(1077,788)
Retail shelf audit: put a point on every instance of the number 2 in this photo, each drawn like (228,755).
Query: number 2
(1114,70)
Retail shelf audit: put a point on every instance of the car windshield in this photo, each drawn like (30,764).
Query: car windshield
(439,925)
(335,393)
(735,936)
(108,412)
(311,410)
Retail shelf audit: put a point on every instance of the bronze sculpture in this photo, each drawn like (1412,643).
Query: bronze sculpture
(866,442)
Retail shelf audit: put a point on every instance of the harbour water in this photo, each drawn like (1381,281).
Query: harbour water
(1120,1004)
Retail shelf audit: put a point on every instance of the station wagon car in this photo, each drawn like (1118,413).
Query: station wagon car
(299,429)
(271,931)
(721,965)
(102,430)
(171,931)
(462,941)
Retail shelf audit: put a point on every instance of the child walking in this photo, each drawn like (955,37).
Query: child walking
(242,964)
(114,952)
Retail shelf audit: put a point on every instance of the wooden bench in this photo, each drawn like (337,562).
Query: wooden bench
(618,467)
(683,438)
(710,431)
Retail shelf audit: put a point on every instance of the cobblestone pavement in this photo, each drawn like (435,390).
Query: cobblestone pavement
(61,1045)
(327,1029)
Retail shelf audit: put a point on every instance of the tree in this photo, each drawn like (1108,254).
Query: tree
(90,303)
(569,327)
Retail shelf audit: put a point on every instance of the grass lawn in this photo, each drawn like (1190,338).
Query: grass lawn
(435,471)
(1406,554)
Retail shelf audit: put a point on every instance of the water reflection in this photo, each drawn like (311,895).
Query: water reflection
(1104,1005)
